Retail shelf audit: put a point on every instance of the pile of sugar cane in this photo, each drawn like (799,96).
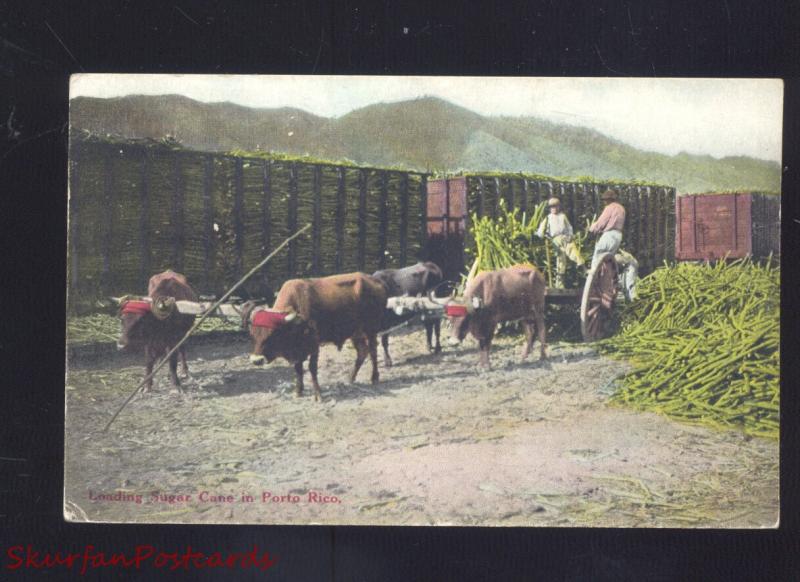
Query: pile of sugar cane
(704,341)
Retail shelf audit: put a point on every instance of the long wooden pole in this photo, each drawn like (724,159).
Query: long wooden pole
(202,318)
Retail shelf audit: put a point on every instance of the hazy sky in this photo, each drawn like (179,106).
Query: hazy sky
(720,117)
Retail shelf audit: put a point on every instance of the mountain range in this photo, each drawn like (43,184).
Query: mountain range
(425,134)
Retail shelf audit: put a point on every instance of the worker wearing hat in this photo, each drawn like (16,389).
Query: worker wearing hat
(559,230)
(609,226)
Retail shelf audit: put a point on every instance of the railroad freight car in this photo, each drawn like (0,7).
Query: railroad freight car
(711,226)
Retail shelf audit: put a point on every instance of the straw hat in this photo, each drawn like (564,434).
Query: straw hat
(554,202)
(609,195)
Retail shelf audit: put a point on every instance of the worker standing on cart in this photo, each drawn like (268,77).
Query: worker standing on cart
(558,229)
(629,272)
(609,226)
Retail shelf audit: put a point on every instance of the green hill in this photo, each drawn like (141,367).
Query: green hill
(427,134)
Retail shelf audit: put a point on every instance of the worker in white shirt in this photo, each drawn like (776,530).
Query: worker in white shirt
(558,229)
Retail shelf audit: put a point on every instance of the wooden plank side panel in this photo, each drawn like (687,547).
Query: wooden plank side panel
(316,228)
(208,221)
(144,220)
(655,223)
(481,198)
(383,218)
(686,228)
(107,227)
(178,216)
(508,193)
(457,212)
(743,222)
(580,207)
(658,224)
(423,208)
(238,215)
(436,210)
(766,225)
(291,221)
(403,219)
(714,221)
(266,210)
(712,226)
(669,244)
(536,193)
(645,240)
(568,202)
(362,219)
(632,221)
(341,208)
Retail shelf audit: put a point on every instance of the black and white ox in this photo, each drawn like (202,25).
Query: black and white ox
(414,281)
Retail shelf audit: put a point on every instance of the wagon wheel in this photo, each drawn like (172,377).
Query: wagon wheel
(599,296)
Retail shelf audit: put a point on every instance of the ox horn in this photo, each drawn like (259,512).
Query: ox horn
(436,299)
(291,316)
(163,307)
(124,298)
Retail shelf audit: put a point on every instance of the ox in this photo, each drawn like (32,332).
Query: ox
(413,281)
(492,297)
(311,312)
(154,323)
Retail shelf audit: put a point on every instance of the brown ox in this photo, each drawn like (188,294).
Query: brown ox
(492,297)
(310,312)
(153,322)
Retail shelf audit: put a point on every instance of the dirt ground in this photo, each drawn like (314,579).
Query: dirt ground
(435,443)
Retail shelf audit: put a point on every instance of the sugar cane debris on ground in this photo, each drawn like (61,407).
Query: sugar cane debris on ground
(520,445)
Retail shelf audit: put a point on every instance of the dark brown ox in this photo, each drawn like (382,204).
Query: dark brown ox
(492,297)
(154,323)
(311,312)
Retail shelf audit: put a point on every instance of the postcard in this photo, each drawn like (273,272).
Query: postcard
(469,301)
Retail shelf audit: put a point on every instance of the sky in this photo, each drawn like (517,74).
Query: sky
(718,117)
